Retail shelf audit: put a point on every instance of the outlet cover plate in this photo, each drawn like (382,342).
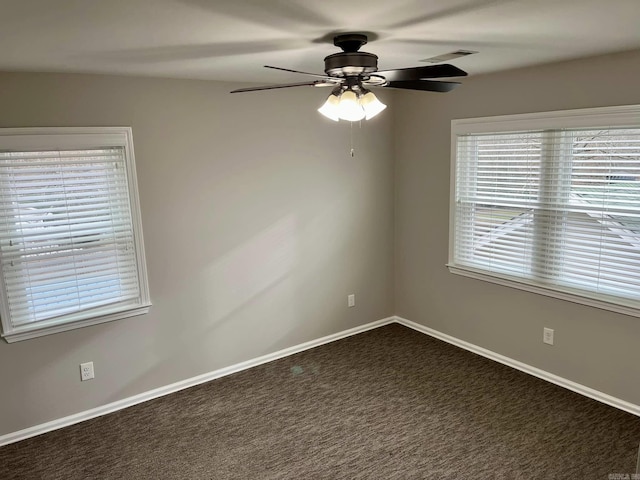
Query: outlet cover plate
(86,371)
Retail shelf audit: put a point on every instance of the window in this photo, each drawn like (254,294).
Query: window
(71,250)
(550,203)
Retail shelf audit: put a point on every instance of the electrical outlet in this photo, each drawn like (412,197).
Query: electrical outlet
(86,371)
(547,336)
(351,300)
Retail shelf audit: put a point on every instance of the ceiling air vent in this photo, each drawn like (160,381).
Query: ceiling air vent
(449,56)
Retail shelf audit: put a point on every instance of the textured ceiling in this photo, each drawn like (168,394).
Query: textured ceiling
(231,39)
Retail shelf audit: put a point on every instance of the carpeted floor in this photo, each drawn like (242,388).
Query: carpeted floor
(390,403)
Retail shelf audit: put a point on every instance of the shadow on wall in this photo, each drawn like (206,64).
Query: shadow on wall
(252,292)
(250,268)
(232,287)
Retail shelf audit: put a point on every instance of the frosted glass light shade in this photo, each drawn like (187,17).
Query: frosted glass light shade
(349,107)
(330,108)
(371,105)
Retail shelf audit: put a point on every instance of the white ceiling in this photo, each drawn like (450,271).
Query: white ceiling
(231,39)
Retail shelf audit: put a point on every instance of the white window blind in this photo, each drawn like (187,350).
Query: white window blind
(68,246)
(555,209)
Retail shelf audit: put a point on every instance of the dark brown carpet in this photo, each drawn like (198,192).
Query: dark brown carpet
(386,404)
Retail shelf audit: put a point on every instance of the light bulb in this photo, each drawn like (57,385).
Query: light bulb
(371,105)
(349,107)
(330,108)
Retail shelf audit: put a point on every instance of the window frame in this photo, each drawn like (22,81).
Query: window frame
(599,117)
(61,138)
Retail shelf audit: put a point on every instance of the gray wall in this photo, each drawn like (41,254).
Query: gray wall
(592,347)
(257,224)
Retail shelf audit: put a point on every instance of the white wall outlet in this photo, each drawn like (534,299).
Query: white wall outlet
(86,371)
(351,300)
(547,336)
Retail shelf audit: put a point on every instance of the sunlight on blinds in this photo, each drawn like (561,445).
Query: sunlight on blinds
(66,240)
(553,207)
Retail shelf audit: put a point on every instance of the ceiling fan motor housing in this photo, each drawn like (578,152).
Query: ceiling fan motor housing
(345,64)
(350,62)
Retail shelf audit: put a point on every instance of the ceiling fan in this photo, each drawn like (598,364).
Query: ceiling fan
(351,72)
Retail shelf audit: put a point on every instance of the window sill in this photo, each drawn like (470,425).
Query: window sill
(27,331)
(564,293)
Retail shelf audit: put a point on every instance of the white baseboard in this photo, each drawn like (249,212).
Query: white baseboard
(189,382)
(206,377)
(536,372)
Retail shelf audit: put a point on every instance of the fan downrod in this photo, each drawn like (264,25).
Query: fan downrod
(350,42)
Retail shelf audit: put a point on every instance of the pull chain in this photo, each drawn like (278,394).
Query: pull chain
(352,152)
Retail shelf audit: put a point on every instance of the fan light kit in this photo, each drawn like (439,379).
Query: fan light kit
(351,73)
(351,105)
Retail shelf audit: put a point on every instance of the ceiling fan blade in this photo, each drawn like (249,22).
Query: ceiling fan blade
(425,85)
(315,83)
(427,71)
(297,71)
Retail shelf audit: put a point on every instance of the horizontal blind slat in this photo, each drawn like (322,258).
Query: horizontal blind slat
(67,240)
(581,188)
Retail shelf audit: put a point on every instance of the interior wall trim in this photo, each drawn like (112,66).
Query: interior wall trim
(181,385)
(523,367)
(206,377)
